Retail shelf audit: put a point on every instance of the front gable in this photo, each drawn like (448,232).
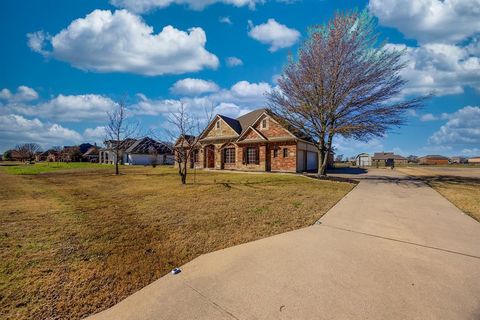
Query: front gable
(218,128)
(270,128)
(251,134)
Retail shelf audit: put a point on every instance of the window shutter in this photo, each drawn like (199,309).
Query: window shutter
(244,155)
(257,154)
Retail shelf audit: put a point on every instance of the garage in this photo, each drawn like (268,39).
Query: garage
(312,161)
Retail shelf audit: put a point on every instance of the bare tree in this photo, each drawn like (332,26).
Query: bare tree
(343,82)
(27,151)
(153,152)
(118,130)
(185,129)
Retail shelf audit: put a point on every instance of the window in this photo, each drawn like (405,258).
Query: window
(218,124)
(264,124)
(195,156)
(275,152)
(229,155)
(252,155)
(285,152)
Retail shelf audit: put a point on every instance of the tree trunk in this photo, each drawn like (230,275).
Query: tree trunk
(116,168)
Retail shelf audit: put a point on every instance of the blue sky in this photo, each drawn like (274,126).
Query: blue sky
(64,63)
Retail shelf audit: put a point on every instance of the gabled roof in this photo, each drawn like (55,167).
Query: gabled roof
(249,119)
(145,146)
(386,156)
(233,123)
(434,157)
(259,134)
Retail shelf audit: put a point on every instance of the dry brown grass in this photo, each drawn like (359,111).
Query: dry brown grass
(462,190)
(74,243)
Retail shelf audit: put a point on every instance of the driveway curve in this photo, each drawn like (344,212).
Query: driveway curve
(393,248)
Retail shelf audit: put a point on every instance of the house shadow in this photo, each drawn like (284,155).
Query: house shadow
(347,170)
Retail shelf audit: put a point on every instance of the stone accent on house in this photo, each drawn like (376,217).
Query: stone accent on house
(275,148)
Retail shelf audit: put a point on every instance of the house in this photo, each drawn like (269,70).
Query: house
(387,159)
(412,159)
(256,141)
(91,155)
(433,160)
(459,160)
(70,154)
(474,160)
(147,151)
(363,160)
(107,155)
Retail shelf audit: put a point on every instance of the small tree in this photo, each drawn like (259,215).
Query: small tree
(342,83)
(153,152)
(27,151)
(185,129)
(118,130)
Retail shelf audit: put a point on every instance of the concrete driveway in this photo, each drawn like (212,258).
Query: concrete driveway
(393,248)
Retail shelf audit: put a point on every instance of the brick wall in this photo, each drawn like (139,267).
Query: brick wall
(273,128)
(280,163)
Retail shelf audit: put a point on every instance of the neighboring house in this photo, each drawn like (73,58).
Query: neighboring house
(459,160)
(70,154)
(147,151)
(363,160)
(474,160)
(107,155)
(387,159)
(256,141)
(433,160)
(412,159)
(91,155)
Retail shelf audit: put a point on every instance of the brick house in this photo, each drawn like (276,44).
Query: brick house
(387,159)
(433,160)
(256,141)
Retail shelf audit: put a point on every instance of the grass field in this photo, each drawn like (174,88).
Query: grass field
(461,186)
(76,242)
(43,167)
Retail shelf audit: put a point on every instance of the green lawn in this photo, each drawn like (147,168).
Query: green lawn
(74,242)
(43,167)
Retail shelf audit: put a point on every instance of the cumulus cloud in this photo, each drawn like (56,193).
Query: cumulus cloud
(225,20)
(23,94)
(96,134)
(190,86)
(121,42)
(238,99)
(15,129)
(234,62)
(351,147)
(67,108)
(441,21)
(143,6)
(441,69)
(276,35)
(462,127)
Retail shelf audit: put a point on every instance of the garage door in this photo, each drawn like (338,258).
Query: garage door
(312,159)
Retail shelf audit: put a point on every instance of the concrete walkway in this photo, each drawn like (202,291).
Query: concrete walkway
(393,248)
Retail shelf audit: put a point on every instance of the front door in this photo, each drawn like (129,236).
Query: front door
(210,156)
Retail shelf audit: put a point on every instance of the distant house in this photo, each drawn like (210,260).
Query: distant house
(70,154)
(387,159)
(412,159)
(433,160)
(107,155)
(363,160)
(147,151)
(459,160)
(474,160)
(91,155)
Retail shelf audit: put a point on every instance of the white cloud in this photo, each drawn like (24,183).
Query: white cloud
(67,108)
(441,69)
(234,62)
(121,42)
(471,152)
(351,147)
(23,94)
(142,6)
(96,134)
(15,129)
(225,20)
(428,117)
(276,35)
(462,127)
(446,21)
(242,96)
(190,86)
